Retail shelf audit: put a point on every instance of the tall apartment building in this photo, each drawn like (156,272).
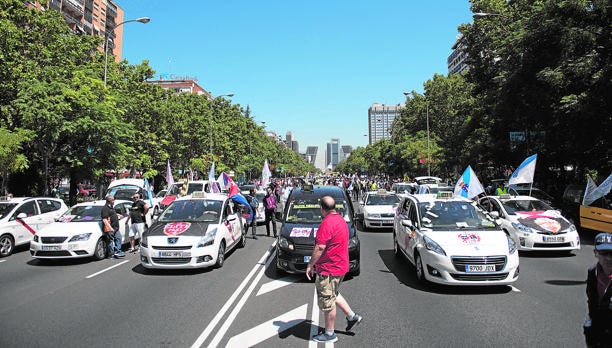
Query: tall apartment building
(311,154)
(93,17)
(456,61)
(380,121)
(291,143)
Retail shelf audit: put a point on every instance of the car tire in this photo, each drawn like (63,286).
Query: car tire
(419,269)
(220,255)
(396,250)
(356,271)
(7,245)
(100,250)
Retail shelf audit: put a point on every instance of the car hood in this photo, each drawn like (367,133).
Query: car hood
(470,242)
(177,228)
(68,229)
(379,209)
(549,221)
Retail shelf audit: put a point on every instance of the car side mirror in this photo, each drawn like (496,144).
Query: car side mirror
(22,215)
(495,214)
(407,223)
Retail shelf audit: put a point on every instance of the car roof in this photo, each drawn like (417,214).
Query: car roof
(14,200)
(205,196)
(318,191)
(134,182)
(100,202)
(430,197)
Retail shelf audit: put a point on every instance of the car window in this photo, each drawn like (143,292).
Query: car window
(6,208)
(29,208)
(120,192)
(514,206)
(453,215)
(48,205)
(82,213)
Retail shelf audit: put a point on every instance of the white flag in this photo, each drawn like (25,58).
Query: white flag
(265,174)
(591,192)
(605,186)
(524,173)
(468,185)
(169,177)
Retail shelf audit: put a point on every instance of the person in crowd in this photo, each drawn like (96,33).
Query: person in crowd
(114,238)
(269,207)
(598,324)
(330,262)
(254,203)
(137,216)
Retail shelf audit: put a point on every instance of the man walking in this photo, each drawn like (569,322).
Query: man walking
(269,207)
(114,242)
(137,215)
(330,262)
(598,326)
(254,206)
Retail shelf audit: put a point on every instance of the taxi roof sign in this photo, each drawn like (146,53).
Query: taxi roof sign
(445,194)
(505,196)
(381,191)
(198,194)
(308,188)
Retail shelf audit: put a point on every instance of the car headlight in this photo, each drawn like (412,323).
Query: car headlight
(80,237)
(284,243)
(35,238)
(521,227)
(144,241)
(511,244)
(353,243)
(208,239)
(572,228)
(433,246)
(372,216)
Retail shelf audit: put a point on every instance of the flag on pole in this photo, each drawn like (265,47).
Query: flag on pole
(524,173)
(265,174)
(149,190)
(605,186)
(229,184)
(591,192)
(211,180)
(468,185)
(169,178)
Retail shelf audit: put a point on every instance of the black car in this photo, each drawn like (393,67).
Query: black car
(302,218)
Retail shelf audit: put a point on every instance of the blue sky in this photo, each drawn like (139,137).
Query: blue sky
(309,67)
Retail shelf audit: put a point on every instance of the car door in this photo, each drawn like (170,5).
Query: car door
(23,228)
(413,233)
(50,209)
(124,210)
(400,229)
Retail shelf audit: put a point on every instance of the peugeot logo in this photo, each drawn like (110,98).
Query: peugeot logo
(172,240)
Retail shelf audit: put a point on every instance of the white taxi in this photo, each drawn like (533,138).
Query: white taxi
(78,233)
(378,209)
(451,241)
(533,224)
(194,231)
(21,218)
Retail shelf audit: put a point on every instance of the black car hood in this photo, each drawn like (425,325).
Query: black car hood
(172,229)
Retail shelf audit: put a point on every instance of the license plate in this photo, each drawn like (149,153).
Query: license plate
(553,239)
(479,268)
(306,259)
(174,254)
(51,247)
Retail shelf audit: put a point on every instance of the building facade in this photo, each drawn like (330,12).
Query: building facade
(93,17)
(380,121)
(311,154)
(182,86)
(333,155)
(456,61)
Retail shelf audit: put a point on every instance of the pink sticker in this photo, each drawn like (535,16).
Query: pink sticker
(65,218)
(469,237)
(176,228)
(300,232)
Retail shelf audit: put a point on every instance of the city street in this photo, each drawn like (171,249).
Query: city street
(245,303)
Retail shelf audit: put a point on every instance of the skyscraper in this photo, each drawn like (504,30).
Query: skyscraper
(380,121)
(333,155)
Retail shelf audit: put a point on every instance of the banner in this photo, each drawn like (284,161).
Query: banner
(169,178)
(265,174)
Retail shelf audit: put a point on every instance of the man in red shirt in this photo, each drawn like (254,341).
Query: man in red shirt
(330,262)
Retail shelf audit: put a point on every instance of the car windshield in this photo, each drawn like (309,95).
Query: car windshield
(403,189)
(174,189)
(514,206)
(6,208)
(199,210)
(309,211)
(82,213)
(453,215)
(382,200)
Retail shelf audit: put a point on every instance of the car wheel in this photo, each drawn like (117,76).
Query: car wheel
(420,270)
(100,250)
(7,244)
(396,249)
(220,255)
(356,271)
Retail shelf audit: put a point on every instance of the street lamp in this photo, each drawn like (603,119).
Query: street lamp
(428,148)
(210,119)
(143,20)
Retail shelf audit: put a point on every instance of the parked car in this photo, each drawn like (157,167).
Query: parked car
(450,241)
(21,218)
(79,232)
(533,224)
(194,232)
(404,188)
(516,190)
(301,220)
(598,215)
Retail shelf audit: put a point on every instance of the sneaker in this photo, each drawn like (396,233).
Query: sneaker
(350,323)
(325,338)
(120,254)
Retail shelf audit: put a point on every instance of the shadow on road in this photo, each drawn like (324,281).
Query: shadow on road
(405,273)
(566,282)
(546,254)
(59,262)
(301,329)
(140,269)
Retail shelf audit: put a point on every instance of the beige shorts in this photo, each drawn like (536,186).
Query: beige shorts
(327,290)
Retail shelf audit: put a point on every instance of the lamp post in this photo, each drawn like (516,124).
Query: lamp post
(143,20)
(428,148)
(211,125)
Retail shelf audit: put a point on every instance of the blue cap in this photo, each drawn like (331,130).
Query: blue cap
(603,241)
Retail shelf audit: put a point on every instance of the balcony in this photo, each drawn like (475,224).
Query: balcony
(73,8)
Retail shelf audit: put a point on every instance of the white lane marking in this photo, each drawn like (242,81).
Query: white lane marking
(514,289)
(106,269)
(215,321)
(276,284)
(238,307)
(270,328)
(314,319)
(2,261)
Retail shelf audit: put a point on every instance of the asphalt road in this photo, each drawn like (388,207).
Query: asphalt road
(116,303)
